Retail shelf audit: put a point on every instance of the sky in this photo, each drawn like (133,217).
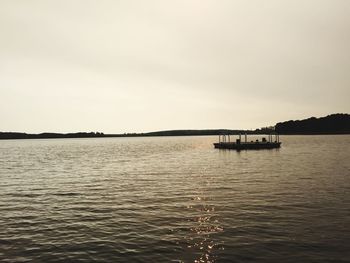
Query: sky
(138,66)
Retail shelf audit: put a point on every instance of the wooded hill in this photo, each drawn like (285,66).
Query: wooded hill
(331,124)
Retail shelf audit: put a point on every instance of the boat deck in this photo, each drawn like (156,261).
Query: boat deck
(226,143)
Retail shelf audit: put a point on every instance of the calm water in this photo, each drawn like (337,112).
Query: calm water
(174,199)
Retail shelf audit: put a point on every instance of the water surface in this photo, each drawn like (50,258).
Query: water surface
(174,199)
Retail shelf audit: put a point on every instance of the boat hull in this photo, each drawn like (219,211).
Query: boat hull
(247,146)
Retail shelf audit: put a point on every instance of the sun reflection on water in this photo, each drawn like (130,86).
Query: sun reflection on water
(204,224)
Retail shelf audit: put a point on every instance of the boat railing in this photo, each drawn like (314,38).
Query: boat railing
(225,138)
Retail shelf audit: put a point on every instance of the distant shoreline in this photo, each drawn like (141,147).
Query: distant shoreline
(18,135)
(74,136)
(335,124)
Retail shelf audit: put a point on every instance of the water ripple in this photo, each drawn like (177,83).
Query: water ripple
(174,199)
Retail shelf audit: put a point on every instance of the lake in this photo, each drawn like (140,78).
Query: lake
(174,199)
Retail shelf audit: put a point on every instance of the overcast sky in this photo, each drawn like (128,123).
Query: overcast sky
(135,66)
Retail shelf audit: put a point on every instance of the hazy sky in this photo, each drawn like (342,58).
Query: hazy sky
(134,66)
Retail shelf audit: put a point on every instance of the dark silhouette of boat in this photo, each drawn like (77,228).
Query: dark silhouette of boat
(226,143)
